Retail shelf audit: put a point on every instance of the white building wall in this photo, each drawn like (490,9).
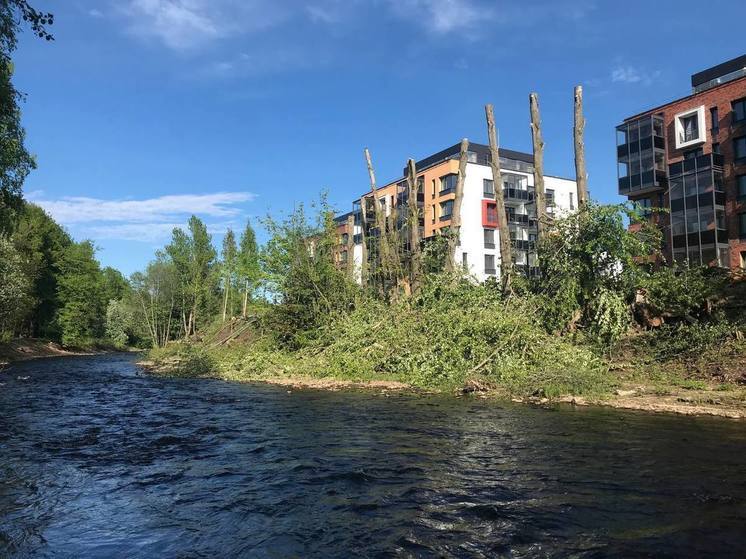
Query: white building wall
(472,230)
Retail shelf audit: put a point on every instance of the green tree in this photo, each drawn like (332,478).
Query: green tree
(248,268)
(155,293)
(229,268)
(119,320)
(194,258)
(14,286)
(114,285)
(82,312)
(42,242)
(15,160)
(298,265)
(591,269)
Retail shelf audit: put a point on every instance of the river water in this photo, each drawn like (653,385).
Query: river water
(99,460)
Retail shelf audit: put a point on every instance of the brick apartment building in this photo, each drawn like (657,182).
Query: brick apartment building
(689,156)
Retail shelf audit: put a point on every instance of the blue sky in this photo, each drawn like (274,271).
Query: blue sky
(142,112)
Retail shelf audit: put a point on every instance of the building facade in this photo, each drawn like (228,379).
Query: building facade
(479,239)
(689,158)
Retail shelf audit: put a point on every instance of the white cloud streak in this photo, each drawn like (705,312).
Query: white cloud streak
(73,210)
(631,75)
(187,24)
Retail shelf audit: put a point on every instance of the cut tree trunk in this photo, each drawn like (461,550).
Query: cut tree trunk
(351,247)
(456,212)
(245,298)
(581,175)
(415,259)
(506,256)
(538,142)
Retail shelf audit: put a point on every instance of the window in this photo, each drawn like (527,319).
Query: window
(572,200)
(491,213)
(720,219)
(743,259)
(742,226)
(446,209)
(741,181)
(465,260)
(693,154)
(739,110)
(644,206)
(489,238)
(690,126)
(715,120)
(432,213)
(716,147)
(343,256)
(739,147)
(433,191)
(488,188)
(489,264)
(420,185)
(724,257)
(448,183)
(345,238)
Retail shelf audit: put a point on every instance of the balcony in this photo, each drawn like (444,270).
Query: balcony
(641,156)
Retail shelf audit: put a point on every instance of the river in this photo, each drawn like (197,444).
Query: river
(100,460)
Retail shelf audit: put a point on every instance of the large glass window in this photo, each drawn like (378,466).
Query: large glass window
(724,257)
(706,217)
(739,110)
(704,181)
(448,182)
(741,181)
(742,225)
(690,185)
(489,238)
(720,219)
(677,223)
(492,213)
(488,188)
(715,120)
(739,147)
(446,209)
(489,264)
(692,221)
(690,126)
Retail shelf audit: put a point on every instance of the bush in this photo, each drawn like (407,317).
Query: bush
(688,340)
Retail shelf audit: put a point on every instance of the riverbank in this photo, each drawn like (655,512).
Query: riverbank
(679,387)
(23,349)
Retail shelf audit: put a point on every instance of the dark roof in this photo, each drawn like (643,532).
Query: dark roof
(710,74)
(479,149)
(342,218)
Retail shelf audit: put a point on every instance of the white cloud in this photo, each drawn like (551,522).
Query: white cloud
(186,24)
(95,13)
(148,220)
(442,16)
(72,210)
(630,74)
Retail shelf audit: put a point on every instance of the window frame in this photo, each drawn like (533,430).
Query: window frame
(733,104)
(680,129)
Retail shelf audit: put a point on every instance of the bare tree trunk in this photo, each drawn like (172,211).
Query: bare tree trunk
(456,212)
(581,175)
(225,298)
(351,247)
(415,256)
(245,298)
(541,203)
(376,208)
(506,256)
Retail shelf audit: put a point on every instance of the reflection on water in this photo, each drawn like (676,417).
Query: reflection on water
(97,460)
